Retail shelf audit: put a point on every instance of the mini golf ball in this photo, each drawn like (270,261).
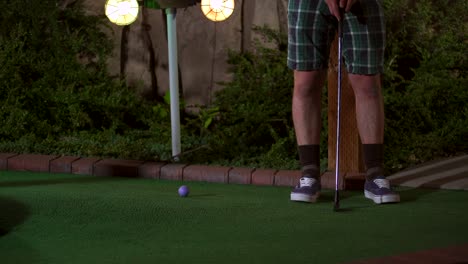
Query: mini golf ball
(183,191)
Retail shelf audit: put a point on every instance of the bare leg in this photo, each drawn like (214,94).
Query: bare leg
(369,107)
(370,120)
(306,106)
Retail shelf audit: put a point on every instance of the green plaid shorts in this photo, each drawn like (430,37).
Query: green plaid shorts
(312,28)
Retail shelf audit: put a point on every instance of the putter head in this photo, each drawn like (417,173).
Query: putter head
(336,206)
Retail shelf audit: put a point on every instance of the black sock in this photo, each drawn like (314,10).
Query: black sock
(373,159)
(309,158)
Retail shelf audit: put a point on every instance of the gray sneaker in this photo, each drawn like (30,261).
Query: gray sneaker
(379,191)
(308,190)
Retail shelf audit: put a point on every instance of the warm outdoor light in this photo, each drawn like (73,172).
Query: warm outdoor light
(122,12)
(217,10)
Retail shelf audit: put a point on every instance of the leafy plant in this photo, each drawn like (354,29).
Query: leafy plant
(56,95)
(426,111)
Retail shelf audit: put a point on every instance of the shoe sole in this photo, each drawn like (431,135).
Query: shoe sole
(382,199)
(299,197)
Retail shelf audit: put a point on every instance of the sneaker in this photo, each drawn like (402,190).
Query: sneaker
(308,190)
(379,191)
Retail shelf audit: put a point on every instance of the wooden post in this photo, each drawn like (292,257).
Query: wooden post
(351,162)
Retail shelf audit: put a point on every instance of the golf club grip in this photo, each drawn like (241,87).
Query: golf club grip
(340,23)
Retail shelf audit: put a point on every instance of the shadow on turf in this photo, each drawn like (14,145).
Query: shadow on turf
(414,194)
(407,195)
(202,195)
(13,213)
(87,179)
(329,197)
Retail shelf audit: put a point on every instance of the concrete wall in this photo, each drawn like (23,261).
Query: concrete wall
(141,53)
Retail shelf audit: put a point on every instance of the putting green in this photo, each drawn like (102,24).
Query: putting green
(67,218)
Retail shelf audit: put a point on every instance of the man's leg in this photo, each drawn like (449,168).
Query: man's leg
(306,111)
(310,33)
(370,122)
(306,106)
(369,107)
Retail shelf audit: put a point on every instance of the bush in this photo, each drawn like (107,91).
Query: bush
(254,122)
(57,97)
(425,92)
(424,88)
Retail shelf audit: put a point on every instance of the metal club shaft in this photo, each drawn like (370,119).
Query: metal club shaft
(338,112)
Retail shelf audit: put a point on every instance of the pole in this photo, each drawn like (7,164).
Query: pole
(173,81)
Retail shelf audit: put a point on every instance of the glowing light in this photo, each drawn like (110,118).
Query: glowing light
(122,12)
(217,10)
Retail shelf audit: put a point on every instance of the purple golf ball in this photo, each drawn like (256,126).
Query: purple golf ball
(183,191)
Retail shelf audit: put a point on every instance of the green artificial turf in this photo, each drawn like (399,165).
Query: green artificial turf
(66,218)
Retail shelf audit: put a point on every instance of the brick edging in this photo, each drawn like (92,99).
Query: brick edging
(154,170)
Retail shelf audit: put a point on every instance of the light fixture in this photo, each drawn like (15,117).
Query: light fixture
(122,12)
(217,10)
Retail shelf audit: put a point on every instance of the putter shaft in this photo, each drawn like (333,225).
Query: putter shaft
(338,112)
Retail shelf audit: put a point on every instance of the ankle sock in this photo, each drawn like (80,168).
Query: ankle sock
(373,159)
(309,158)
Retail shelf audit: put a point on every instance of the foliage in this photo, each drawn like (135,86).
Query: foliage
(424,85)
(57,97)
(425,92)
(254,125)
(252,113)
(56,94)
(45,90)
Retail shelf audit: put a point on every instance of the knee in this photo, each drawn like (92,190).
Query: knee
(366,86)
(304,90)
(308,85)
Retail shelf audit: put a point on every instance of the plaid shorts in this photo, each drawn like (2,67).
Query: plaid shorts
(312,28)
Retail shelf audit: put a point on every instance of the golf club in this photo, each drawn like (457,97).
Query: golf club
(336,206)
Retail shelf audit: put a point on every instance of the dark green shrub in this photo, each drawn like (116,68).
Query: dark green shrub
(56,95)
(254,123)
(424,86)
(45,89)
(425,92)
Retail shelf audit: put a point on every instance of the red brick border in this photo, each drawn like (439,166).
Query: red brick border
(84,166)
(30,162)
(240,175)
(150,170)
(164,171)
(172,171)
(206,173)
(287,177)
(117,168)
(4,160)
(62,164)
(263,177)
